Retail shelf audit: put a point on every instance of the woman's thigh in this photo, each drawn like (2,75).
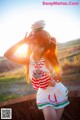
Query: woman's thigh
(50,113)
(59,113)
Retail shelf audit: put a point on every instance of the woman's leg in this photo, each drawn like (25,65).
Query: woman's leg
(50,113)
(59,113)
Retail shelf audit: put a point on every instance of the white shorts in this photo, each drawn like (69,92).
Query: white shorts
(52,96)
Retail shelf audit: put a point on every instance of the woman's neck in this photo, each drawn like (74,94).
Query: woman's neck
(37,57)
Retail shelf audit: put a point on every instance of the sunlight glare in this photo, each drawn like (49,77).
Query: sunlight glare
(22,51)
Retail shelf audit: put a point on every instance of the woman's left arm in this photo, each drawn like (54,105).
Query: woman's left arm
(11,56)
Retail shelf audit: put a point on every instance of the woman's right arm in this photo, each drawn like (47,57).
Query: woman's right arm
(11,56)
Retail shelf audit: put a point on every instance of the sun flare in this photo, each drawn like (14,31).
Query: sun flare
(22,51)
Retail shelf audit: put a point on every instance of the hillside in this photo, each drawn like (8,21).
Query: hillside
(7,65)
(69,48)
(73,43)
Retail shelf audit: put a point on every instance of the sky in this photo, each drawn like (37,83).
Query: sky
(16,17)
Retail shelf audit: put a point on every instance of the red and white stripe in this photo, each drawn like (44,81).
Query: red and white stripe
(42,82)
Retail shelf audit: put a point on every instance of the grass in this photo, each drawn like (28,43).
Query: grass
(71,77)
(10,84)
(6,86)
(11,79)
(6,97)
(14,86)
(12,75)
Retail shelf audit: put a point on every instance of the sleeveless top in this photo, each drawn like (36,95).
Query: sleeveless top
(39,74)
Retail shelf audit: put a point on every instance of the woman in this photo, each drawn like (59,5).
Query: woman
(43,71)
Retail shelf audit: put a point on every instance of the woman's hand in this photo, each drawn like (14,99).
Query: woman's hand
(57,77)
(52,83)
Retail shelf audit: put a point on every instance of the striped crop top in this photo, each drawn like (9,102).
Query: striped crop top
(39,74)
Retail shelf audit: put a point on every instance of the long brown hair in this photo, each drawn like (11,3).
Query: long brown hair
(50,52)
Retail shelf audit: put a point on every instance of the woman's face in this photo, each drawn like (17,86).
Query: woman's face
(36,48)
